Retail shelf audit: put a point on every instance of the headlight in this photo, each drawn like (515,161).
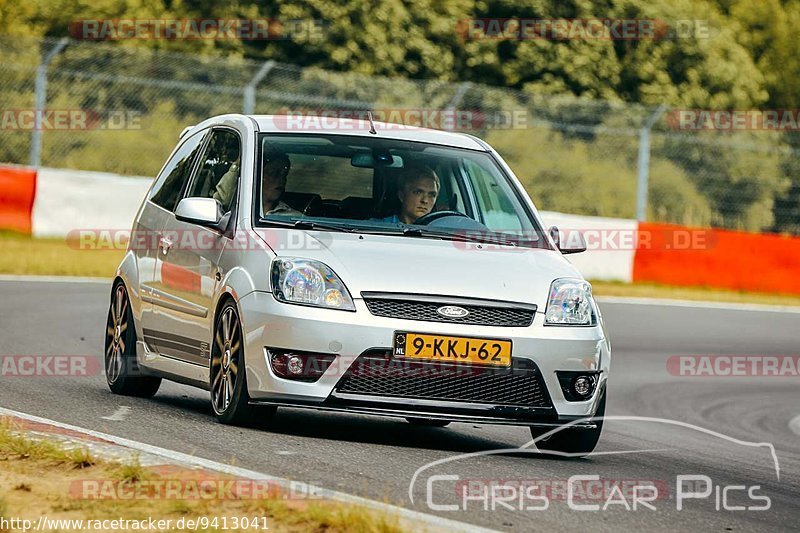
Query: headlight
(570,304)
(307,282)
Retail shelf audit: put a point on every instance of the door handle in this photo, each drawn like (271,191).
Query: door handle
(165,244)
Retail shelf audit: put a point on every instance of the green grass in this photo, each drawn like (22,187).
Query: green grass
(328,517)
(23,255)
(131,471)
(15,445)
(351,519)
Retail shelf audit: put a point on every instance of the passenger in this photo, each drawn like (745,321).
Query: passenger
(226,186)
(274,170)
(418,187)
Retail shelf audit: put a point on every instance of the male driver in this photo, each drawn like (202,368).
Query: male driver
(418,187)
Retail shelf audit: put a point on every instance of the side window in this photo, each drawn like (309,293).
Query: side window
(169,184)
(218,177)
(492,198)
(450,197)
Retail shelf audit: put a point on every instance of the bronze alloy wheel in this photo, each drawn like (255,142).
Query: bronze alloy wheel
(122,372)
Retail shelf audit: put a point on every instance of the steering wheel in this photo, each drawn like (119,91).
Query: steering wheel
(424,220)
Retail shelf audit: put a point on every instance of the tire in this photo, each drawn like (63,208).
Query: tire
(227,377)
(575,442)
(427,422)
(119,363)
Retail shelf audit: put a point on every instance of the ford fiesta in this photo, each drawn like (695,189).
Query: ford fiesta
(356,266)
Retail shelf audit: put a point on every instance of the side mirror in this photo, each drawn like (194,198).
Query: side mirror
(571,242)
(203,211)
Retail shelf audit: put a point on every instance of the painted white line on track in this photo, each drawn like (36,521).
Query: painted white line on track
(407,514)
(730,306)
(794,425)
(54,279)
(119,415)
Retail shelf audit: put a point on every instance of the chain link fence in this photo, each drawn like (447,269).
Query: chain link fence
(575,156)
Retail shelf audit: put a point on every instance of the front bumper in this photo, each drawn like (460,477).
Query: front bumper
(269,323)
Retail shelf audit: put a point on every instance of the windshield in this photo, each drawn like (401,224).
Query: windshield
(407,188)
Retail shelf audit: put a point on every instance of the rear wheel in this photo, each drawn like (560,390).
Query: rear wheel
(574,441)
(427,422)
(122,371)
(229,397)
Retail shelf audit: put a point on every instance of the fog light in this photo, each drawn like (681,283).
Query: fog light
(298,366)
(295,365)
(583,386)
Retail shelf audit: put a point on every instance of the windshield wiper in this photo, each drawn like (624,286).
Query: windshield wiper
(461,236)
(445,235)
(406,232)
(307,224)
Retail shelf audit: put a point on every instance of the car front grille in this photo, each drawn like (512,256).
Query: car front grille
(378,374)
(481,313)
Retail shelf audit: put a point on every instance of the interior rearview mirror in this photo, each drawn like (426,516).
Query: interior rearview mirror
(568,242)
(378,158)
(203,211)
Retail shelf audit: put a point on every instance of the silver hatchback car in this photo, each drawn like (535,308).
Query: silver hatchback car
(347,265)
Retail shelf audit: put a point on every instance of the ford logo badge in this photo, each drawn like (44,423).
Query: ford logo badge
(452,311)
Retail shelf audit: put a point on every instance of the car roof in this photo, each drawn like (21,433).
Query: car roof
(360,127)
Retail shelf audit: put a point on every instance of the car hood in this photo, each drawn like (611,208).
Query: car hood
(378,263)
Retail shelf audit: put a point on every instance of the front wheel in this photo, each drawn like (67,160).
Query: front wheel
(229,397)
(121,369)
(572,441)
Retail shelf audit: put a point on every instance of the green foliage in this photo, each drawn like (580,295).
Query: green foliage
(768,30)
(743,62)
(384,37)
(705,67)
(787,205)
(738,179)
(562,174)
(582,177)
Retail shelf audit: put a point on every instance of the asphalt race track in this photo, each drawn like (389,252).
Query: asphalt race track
(377,457)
